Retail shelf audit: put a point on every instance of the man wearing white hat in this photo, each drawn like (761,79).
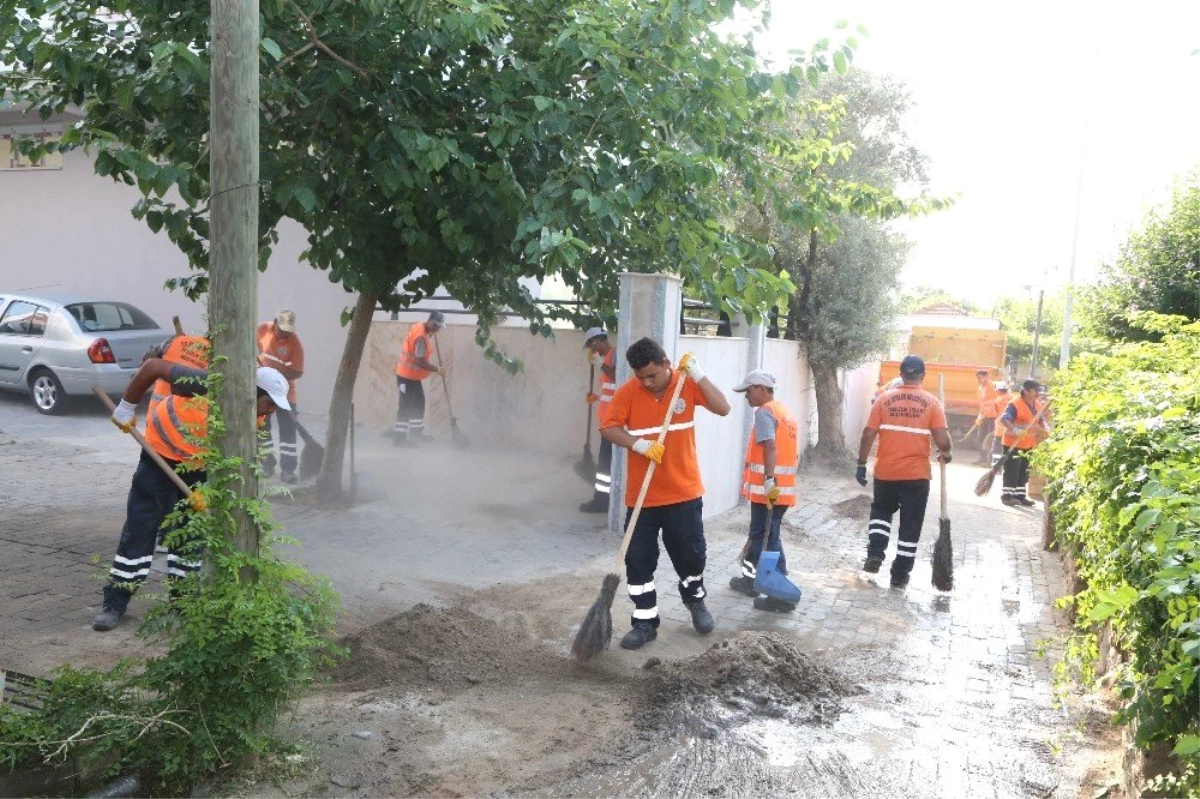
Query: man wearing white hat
(174,430)
(769,482)
(601,355)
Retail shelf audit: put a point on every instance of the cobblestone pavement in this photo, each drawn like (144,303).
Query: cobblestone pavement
(959,699)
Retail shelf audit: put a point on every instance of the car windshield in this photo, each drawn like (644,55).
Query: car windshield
(100,317)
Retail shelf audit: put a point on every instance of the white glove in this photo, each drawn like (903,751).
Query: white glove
(769,484)
(595,358)
(651,450)
(1019,430)
(123,415)
(689,364)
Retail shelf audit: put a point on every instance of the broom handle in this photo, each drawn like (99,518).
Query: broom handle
(1036,419)
(941,462)
(587,443)
(154,456)
(637,506)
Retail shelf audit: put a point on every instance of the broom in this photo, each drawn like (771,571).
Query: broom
(985,483)
(585,467)
(313,455)
(595,633)
(943,548)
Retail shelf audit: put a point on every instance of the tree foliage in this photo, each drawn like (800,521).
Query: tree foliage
(1158,269)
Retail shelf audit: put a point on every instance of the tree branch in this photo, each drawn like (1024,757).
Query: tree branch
(324,48)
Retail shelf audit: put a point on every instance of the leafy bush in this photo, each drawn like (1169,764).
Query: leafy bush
(243,638)
(1124,465)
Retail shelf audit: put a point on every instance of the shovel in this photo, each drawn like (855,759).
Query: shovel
(585,467)
(767,577)
(457,437)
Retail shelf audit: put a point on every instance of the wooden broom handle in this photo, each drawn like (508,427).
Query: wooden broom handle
(154,456)
(942,463)
(637,506)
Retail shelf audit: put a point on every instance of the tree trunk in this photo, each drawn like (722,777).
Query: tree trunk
(831,438)
(329,481)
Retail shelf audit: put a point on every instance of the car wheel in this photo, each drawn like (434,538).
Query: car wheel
(47,393)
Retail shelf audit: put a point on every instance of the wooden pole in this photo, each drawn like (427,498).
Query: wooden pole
(233,255)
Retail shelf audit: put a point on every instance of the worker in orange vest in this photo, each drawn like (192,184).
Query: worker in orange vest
(601,354)
(904,419)
(190,351)
(279,347)
(986,420)
(674,502)
(175,431)
(1020,432)
(998,404)
(769,481)
(415,365)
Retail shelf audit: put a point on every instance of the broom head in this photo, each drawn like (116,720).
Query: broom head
(595,633)
(985,483)
(311,459)
(943,558)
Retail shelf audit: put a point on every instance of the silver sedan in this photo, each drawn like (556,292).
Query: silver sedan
(56,346)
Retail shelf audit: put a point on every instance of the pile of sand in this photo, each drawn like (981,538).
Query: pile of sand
(750,674)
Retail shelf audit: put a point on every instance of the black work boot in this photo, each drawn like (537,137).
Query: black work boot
(743,585)
(702,620)
(1026,501)
(642,633)
(107,619)
(872,564)
(774,605)
(899,580)
(594,505)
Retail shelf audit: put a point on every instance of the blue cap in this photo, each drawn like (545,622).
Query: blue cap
(912,365)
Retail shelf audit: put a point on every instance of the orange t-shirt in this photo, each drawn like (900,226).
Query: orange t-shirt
(677,478)
(904,418)
(987,400)
(289,353)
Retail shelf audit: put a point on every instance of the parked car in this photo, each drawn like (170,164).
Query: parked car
(56,346)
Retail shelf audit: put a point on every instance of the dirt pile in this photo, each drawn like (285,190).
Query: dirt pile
(752,674)
(448,649)
(858,507)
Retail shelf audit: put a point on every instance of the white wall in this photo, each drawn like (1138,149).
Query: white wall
(720,440)
(858,386)
(786,360)
(70,230)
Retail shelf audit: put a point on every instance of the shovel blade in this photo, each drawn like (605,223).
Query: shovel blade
(771,582)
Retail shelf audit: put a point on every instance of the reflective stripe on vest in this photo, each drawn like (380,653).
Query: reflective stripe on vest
(174,427)
(787,455)
(647,431)
(190,351)
(608,386)
(407,366)
(897,428)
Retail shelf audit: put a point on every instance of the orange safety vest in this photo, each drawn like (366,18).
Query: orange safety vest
(987,400)
(608,385)
(190,351)
(787,455)
(407,366)
(999,404)
(1024,419)
(176,427)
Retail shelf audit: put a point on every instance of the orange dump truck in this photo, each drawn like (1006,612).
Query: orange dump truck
(957,353)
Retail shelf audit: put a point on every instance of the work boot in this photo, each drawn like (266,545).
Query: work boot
(774,605)
(899,580)
(107,619)
(400,440)
(872,564)
(642,633)
(594,505)
(1026,501)
(289,478)
(743,585)
(702,620)
(1008,501)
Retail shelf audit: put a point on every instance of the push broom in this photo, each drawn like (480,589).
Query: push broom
(595,633)
(985,483)
(943,548)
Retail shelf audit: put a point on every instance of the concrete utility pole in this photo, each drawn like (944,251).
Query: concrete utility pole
(233,256)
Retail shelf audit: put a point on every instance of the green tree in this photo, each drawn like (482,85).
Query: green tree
(1158,269)
(915,297)
(1018,318)
(467,144)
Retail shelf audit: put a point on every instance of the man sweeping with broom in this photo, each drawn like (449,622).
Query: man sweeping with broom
(904,419)
(672,501)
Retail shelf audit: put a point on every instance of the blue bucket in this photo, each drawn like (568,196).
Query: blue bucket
(769,581)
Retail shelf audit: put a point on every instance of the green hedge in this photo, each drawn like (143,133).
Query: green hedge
(1124,470)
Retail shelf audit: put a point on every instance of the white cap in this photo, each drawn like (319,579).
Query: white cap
(275,384)
(593,332)
(285,320)
(756,378)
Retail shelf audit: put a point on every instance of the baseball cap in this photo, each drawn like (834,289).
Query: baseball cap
(594,332)
(275,384)
(285,320)
(912,365)
(756,378)
(1002,386)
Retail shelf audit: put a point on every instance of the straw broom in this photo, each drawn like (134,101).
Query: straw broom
(595,633)
(943,549)
(985,483)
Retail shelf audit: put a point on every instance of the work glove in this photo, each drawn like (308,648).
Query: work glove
(595,358)
(1019,430)
(197,501)
(592,398)
(689,364)
(651,450)
(124,416)
(946,457)
(772,491)
(860,474)
(441,371)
